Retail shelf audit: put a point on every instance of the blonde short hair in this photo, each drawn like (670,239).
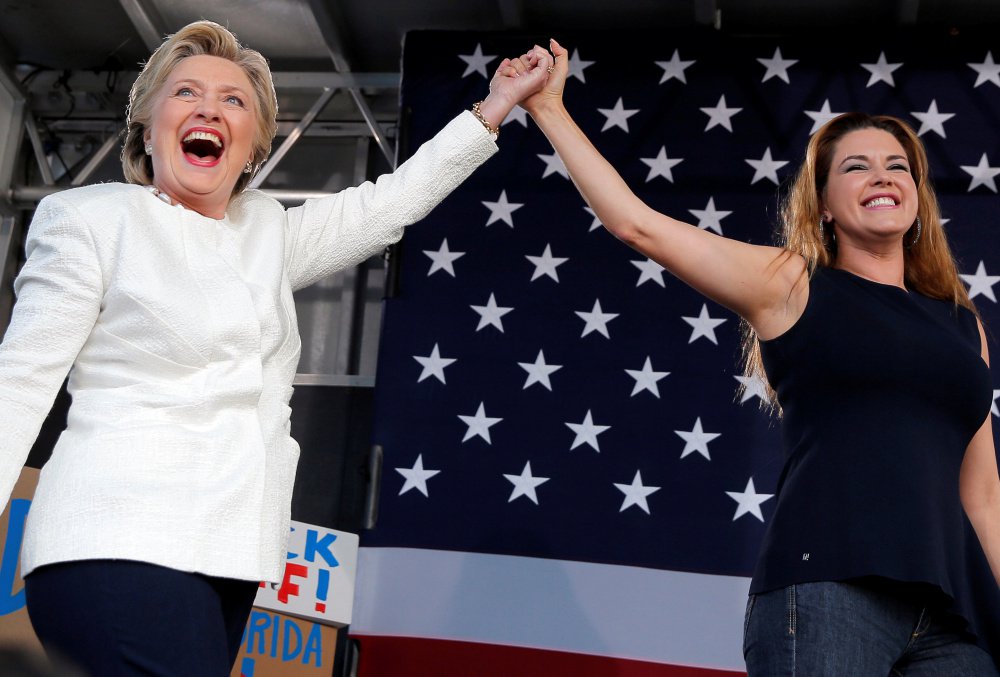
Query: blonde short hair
(198,38)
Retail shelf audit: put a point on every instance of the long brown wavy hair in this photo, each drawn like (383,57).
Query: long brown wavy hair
(929,266)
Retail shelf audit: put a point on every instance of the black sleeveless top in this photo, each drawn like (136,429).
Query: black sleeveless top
(882,389)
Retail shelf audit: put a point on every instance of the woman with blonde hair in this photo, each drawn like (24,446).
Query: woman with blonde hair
(168,299)
(878,361)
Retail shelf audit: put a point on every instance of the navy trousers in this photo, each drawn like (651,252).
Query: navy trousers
(117,618)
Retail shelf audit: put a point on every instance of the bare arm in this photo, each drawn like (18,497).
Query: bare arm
(980,486)
(762,284)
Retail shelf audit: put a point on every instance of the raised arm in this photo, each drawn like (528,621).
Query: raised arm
(337,231)
(762,284)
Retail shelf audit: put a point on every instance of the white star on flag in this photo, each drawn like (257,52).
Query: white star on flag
(538,371)
(586,432)
(476,62)
(881,71)
(748,501)
(981,283)
(766,167)
(442,259)
(696,439)
(517,114)
(502,209)
(596,223)
(646,378)
(596,320)
(993,407)
(479,424)
(932,120)
(490,314)
(546,264)
(982,174)
(710,218)
(821,117)
(753,386)
(433,365)
(988,71)
(636,493)
(617,116)
(674,68)
(661,165)
(416,477)
(649,270)
(577,66)
(703,325)
(525,484)
(553,165)
(776,66)
(720,115)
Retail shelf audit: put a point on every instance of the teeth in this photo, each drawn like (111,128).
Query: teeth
(203,136)
(881,202)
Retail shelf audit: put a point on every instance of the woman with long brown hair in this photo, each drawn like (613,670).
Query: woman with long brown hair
(878,361)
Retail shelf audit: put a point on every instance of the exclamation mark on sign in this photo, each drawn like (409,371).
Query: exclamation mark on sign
(322,590)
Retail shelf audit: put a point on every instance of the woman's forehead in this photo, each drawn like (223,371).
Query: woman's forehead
(869,141)
(210,70)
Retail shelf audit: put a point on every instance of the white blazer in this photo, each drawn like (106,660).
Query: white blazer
(181,334)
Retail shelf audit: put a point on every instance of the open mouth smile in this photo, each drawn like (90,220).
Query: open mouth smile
(202,147)
(882,201)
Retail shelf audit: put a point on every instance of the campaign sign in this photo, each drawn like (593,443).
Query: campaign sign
(318,582)
(276,645)
(15,628)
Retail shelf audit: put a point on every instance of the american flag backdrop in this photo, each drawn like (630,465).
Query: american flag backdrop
(572,482)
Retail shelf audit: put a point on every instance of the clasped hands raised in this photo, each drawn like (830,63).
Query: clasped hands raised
(531,80)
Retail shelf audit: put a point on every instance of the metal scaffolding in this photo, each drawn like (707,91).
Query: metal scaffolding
(45,149)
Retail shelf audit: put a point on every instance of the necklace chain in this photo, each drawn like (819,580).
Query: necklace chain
(161,195)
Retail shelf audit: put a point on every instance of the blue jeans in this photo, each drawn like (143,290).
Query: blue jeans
(842,629)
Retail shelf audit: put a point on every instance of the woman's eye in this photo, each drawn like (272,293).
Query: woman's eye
(185,91)
(234,100)
(899,167)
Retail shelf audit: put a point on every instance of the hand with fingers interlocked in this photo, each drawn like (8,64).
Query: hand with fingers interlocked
(514,81)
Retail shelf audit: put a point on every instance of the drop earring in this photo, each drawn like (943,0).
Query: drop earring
(916,237)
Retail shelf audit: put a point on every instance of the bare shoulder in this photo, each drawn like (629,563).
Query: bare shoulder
(785,293)
(983,341)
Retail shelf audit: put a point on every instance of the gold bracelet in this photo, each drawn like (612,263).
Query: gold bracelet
(495,131)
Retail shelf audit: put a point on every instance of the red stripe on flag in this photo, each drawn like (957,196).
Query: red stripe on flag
(393,656)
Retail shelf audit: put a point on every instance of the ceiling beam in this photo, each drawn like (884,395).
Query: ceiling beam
(111,143)
(707,13)
(511,13)
(335,46)
(146,22)
(13,109)
(292,138)
(36,144)
(907,12)
(90,81)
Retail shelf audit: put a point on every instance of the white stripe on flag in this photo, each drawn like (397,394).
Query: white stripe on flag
(600,609)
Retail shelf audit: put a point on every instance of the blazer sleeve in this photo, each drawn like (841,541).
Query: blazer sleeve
(332,233)
(59,292)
